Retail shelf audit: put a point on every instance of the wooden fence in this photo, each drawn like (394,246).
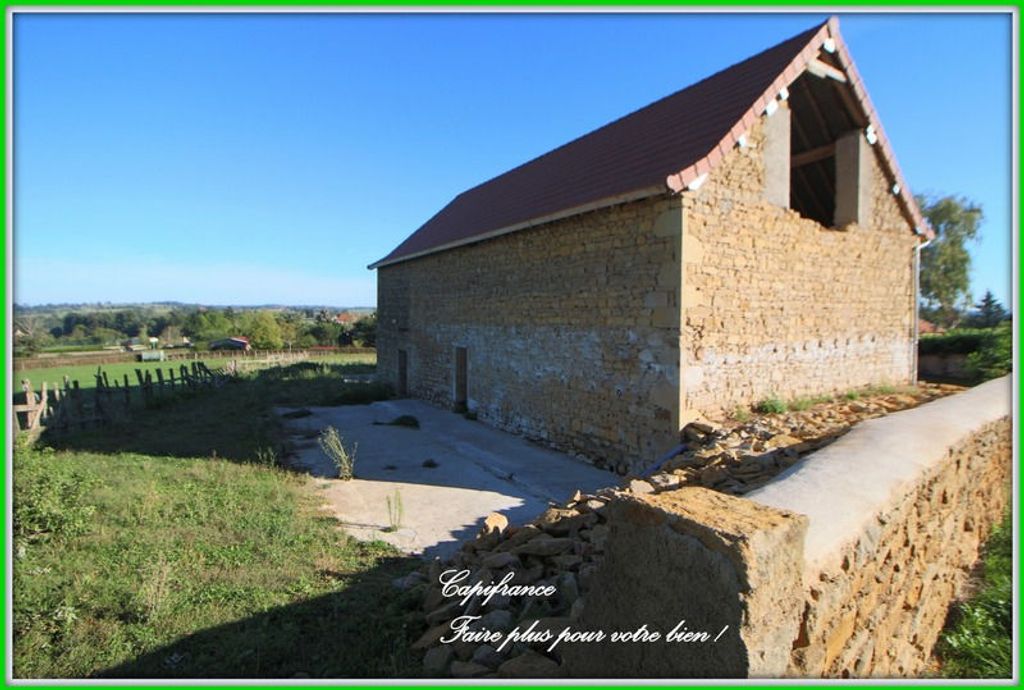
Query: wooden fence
(70,406)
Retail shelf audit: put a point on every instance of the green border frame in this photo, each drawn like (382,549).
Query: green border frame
(611,6)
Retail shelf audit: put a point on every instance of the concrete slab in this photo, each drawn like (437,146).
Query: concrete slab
(478,470)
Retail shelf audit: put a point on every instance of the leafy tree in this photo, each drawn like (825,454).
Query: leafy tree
(129,322)
(263,331)
(207,325)
(989,312)
(290,324)
(945,262)
(364,331)
(326,332)
(105,336)
(157,325)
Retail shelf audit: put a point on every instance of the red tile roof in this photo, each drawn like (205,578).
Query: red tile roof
(662,147)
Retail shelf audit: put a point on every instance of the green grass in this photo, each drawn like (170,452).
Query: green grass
(979,643)
(741,414)
(801,404)
(85,374)
(60,349)
(771,406)
(234,422)
(175,547)
(180,568)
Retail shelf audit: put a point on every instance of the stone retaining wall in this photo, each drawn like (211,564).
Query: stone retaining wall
(845,566)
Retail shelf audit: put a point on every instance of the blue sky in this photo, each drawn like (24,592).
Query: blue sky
(251,159)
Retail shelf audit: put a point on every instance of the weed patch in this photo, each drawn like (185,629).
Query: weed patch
(979,644)
(344,459)
(771,406)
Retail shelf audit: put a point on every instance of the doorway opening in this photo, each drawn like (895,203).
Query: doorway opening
(403,374)
(461,376)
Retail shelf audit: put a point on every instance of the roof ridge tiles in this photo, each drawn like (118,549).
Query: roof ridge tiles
(693,127)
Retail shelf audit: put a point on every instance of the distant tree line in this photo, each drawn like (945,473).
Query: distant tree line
(38,329)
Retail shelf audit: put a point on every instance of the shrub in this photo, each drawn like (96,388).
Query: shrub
(961,341)
(994,357)
(334,448)
(266,456)
(771,406)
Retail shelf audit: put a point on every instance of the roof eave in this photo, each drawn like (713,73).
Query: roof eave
(692,176)
(636,195)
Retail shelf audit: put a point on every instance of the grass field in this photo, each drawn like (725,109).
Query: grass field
(85,374)
(979,643)
(177,547)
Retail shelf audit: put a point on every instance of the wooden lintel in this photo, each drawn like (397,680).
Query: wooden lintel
(825,71)
(812,156)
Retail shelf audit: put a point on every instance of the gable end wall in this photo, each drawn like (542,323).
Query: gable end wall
(776,305)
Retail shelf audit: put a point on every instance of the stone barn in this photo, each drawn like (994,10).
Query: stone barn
(748,237)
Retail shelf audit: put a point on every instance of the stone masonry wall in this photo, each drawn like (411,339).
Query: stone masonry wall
(775,305)
(844,567)
(879,611)
(571,330)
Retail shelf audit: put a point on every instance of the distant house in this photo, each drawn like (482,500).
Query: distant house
(927,327)
(237,342)
(748,237)
(132,344)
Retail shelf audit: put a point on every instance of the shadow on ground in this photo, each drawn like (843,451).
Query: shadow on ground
(234,422)
(446,472)
(361,631)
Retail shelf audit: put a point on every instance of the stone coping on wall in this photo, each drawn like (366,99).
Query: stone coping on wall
(845,485)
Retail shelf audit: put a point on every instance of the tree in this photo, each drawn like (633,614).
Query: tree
(945,262)
(288,323)
(207,325)
(364,331)
(264,332)
(989,312)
